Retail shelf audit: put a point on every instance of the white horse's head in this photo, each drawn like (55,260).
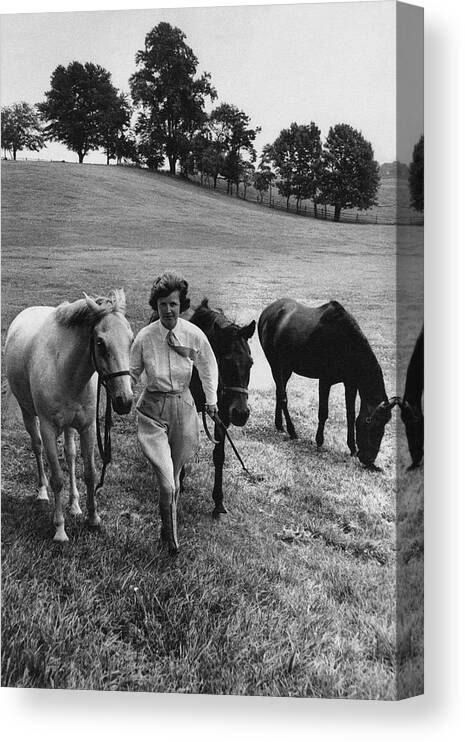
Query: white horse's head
(111,343)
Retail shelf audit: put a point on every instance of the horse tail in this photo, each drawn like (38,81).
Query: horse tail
(10,406)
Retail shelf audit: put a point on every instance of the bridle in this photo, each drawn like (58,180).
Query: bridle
(104,444)
(103,378)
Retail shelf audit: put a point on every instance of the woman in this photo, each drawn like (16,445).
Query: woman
(167,422)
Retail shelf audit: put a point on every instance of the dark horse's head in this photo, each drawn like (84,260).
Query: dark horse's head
(229,343)
(369,428)
(412,417)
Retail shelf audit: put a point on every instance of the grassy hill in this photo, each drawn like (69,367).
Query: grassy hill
(293,593)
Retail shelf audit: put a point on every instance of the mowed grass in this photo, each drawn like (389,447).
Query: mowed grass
(293,593)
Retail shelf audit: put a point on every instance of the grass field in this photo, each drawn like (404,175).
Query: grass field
(293,593)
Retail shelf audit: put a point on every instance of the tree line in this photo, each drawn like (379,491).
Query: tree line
(165,119)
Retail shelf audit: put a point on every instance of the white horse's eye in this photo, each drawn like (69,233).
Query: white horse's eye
(100,343)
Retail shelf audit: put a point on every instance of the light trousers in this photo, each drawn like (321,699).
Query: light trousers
(168,432)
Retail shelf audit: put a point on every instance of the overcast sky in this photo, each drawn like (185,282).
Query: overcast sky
(328,63)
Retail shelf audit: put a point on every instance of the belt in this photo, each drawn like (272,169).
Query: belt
(171,393)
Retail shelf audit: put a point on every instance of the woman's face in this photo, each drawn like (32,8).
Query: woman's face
(168,309)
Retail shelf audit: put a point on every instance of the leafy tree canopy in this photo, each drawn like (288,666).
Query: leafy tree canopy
(296,157)
(350,175)
(171,98)
(415,178)
(230,129)
(21,129)
(78,106)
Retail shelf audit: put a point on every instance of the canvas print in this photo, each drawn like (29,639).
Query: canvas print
(212,345)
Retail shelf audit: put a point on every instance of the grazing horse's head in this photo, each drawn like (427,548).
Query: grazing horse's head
(111,341)
(234,363)
(412,417)
(369,428)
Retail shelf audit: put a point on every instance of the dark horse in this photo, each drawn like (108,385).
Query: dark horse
(230,346)
(411,409)
(326,343)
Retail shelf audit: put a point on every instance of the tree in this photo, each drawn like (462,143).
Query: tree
(170,97)
(247,175)
(230,130)
(116,119)
(21,129)
(415,178)
(349,174)
(78,107)
(279,154)
(263,180)
(149,148)
(296,156)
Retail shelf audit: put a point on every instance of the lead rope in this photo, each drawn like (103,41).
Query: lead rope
(221,424)
(104,446)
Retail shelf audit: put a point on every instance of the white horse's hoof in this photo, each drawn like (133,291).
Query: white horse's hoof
(42,494)
(60,536)
(74,509)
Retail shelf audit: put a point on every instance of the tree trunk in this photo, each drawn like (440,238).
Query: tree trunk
(81,157)
(172,162)
(287,203)
(315,210)
(337,213)
(14,154)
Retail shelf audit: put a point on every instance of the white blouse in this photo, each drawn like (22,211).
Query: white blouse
(165,369)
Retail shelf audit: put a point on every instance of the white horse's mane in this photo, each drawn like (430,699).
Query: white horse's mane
(89,311)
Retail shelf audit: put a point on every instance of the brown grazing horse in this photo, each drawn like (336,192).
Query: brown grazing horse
(326,343)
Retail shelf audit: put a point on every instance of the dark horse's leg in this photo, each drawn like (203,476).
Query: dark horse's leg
(351,393)
(281,377)
(218,460)
(323,392)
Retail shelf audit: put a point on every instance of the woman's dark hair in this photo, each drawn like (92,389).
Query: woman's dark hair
(164,285)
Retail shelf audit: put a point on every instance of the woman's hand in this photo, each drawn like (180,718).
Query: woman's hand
(211,409)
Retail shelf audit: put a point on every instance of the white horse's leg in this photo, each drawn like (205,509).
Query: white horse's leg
(31,423)
(70,453)
(56,479)
(87,437)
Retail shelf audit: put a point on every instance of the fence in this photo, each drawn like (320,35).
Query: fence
(395,214)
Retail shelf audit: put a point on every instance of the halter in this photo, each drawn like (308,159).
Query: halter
(238,389)
(392,401)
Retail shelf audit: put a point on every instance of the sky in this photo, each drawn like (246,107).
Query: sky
(328,63)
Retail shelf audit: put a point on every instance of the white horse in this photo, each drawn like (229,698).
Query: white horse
(51,356)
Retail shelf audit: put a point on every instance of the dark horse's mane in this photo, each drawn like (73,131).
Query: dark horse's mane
(349,323)
(208,318)
(372,373)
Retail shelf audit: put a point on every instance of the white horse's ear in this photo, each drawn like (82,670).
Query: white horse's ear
(91,303)
(121,300)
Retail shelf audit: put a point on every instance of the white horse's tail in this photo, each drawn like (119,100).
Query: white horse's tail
(10,407)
